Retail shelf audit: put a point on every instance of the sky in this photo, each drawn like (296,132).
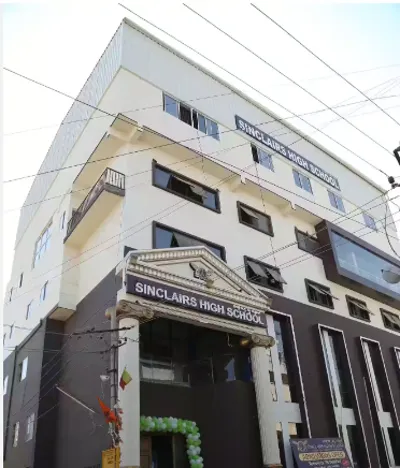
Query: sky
(59,44)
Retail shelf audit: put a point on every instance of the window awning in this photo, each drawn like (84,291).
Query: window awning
(276,275)
(184,241)
(257,269)
(392,318)
(249,212)
(322,291)
(360,305)
(198,190)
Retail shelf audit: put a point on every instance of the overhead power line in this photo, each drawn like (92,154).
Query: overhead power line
(108,114)
(325,63)
(292,81)
(257,90)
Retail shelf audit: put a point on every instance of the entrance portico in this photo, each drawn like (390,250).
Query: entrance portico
(193,286)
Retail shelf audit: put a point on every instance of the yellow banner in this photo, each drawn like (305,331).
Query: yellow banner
(316,456)
(110,458)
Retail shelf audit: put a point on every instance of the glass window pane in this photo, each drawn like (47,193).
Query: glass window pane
(202,123)
(362,262)
(306,183)
(340,204)
(170,106)
(212,129)
(161,178)
(163,238)
(297,180)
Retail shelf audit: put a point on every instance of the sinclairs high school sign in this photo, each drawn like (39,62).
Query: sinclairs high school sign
(275,145)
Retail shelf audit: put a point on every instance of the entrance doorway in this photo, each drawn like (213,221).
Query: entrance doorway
(163,451)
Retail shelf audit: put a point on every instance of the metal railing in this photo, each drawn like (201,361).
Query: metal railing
(110,181)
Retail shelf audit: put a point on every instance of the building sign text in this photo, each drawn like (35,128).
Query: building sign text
(286,152)
(189,300)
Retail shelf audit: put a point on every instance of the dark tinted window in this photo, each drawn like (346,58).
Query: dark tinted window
(184,187)
(262,157)
(307,242)
(264,274)
(166,238)
(358,309)
(319,294)
(390,320)
(255,219)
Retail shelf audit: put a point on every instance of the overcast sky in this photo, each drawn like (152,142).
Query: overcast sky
(59,45)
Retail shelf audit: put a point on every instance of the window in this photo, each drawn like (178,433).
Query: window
(255,219)
(5,385)
(370,221)
(22,369)
(170,106)
(190,116)
(382,400)
(362,262)
(42,245)
(185,187)
(62,221)
(30,423)
(28,311)
(262,157)
(165,238)
(263,274)
(336,201)
(391,320)
(341,385)
(15,434)
(21,280)
(43,292)
(319,294)
(358,309)
(307,242)
(302,181)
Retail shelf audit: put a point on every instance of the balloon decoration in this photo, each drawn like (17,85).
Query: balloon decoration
(179,426)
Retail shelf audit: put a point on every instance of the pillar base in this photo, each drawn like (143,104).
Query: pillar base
(274,466)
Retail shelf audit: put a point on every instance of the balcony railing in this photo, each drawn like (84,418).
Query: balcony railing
(110,181)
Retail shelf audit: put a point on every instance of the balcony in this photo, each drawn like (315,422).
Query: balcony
(357,265)
(97,204)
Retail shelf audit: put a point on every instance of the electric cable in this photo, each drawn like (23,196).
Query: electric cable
(302,88)
(324,62)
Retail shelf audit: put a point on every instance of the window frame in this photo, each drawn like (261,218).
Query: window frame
(309,283)
(39,252)
(156,165)
(43,292)
(301,186)
(178,231)
(368,216)
(246,259)
(23,369)
(5,385)
(15,434)
(386,321)
(208,123)
(255,151)
(309,236)
(333,197)
(349,301)
(240,204)
(28,310)
(30,426)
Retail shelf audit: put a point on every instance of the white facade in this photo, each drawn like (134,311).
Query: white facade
(130,80)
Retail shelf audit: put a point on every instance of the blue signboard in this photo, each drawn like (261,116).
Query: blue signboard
(320,453)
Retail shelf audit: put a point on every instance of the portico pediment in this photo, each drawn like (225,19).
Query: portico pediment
(195,279)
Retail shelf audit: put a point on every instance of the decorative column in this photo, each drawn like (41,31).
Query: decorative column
(266,415)
(128,315)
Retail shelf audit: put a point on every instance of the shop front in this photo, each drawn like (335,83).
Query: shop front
(201,355)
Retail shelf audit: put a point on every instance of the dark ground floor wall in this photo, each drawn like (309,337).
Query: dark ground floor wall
(226,412)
